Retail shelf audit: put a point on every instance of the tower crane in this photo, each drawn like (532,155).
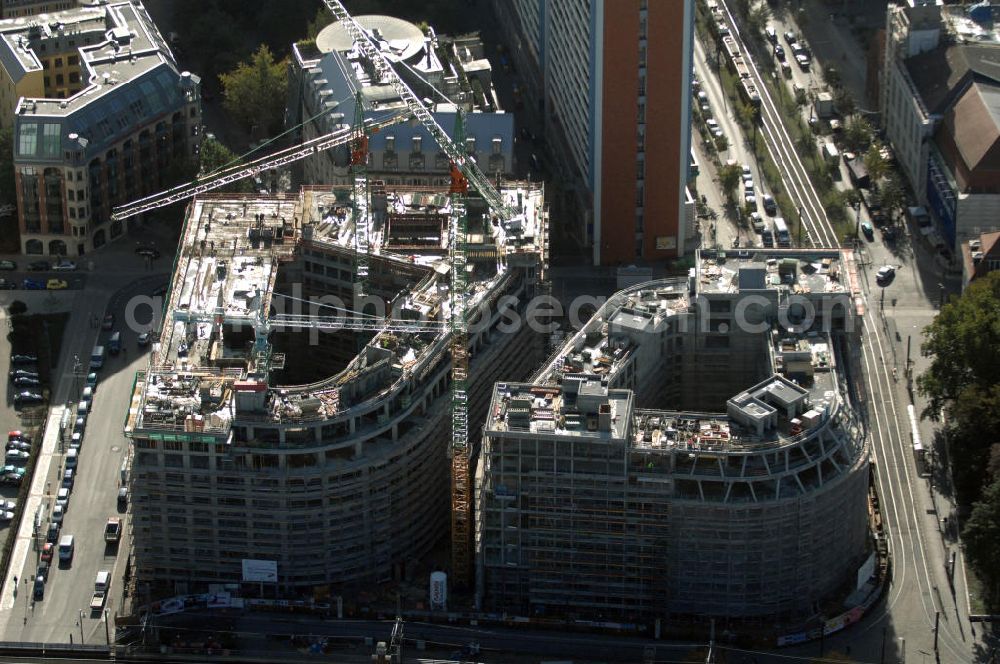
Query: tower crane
(342,136)
(464,173)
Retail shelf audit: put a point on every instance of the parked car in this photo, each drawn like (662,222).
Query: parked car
(62,498)
(27,381)
(56,284)
(23,373)
(38,266)
(16,456)
(123,497)
(6,516)
(143,339)
(68,476)
(7,284)
(64,266)
(790,37)
(151,254)
(868,229)
(47,550)
(58,512)
(885,275)
(26,398)
(770,207)
(8,265)
(17,434)
(18,445)
(23,358)
(33,284)
(52,534)
(8,505)
(38,591)
(108,322)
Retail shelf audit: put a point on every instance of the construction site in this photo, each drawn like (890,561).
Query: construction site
(314,397)
(693,450)
(317,440)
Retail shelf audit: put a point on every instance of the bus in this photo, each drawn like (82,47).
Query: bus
(781,235)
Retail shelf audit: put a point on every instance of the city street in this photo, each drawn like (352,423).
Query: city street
(118,275)
(920,594)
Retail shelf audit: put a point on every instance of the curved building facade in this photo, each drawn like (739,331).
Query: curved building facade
(321,449)
(692,450)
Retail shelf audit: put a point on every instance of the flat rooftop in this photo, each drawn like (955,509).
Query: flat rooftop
(792,270)
(581,409)
(229,258)
(116,43)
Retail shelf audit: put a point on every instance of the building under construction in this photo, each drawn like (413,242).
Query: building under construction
(294,415)
(693,450)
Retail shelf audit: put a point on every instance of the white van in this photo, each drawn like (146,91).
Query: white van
(66,549)
(72,457)
(82,407)
(103,580)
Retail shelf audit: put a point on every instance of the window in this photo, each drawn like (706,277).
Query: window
(497,145)
(417,144)
(58,62)
(470,145)
(51,140)
(72,60)
(642,85)
(74,77)
(60,79)
(390,143)
(642,112)
(27,142)
(70,194)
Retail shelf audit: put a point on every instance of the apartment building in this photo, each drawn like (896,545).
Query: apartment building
(101,116)
(329,77)
(940,100)
(326,451)
(605,489)
(21,8)
(612,82)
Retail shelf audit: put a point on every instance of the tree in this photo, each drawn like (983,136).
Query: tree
(964,344)
(322,19)
(255,92)
(981,536)
(974,429)
(858,133)
(892,195)
(216,156)
(876,164)
(844,101)
(757,19)
(730,177)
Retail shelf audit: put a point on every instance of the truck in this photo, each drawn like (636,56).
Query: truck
(113,530)
(101,586)
(781,235)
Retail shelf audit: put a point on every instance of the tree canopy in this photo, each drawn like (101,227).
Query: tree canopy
(730,177)
(255,92)
(215,156)
(964,342)
(981,536)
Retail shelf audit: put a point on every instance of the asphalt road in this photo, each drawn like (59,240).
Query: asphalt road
(118,275)
(903,625)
